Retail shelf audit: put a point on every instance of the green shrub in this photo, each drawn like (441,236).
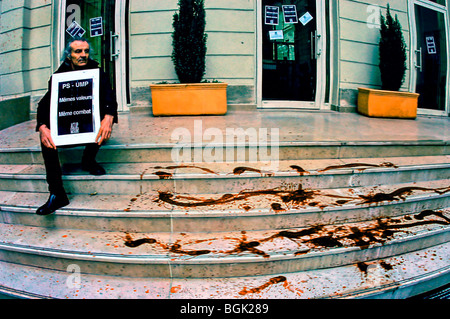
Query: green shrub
(189,41)
(392,49)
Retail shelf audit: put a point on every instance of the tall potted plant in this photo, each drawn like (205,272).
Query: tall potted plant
(189,41)
(389,102)
(191,96)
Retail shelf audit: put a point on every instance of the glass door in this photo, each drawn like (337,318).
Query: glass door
(431,60)
(101,22)
(292,55)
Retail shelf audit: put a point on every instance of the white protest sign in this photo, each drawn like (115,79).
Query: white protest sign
(75,107)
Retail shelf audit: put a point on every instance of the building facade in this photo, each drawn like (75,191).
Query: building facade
(311,54)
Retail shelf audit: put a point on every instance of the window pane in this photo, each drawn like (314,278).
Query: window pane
(439,2)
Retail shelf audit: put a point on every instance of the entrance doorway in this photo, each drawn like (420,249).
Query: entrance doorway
(431,75)
(292,55)
(103,23)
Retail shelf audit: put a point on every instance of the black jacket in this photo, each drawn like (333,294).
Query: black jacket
(108,103)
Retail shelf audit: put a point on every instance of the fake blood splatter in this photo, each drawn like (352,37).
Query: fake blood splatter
(207,170)
(317,237)
(174,248)
(362,165)
(398,194)
(296,197)
(241,170)
(244,246)
(163,175)
(300,170)
(272,281)
(129,242)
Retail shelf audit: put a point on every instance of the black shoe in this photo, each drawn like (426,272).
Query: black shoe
(93,168)
(54,202)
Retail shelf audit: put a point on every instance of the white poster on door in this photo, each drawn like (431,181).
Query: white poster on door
(276,35)
(306,18)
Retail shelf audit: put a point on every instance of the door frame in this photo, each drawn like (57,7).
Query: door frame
(413,61)
(121,60)
(120,47)
(319,101)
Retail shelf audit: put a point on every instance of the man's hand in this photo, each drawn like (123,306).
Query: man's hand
(46,137)
(105,129)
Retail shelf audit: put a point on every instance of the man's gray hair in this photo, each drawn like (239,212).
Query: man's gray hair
(68,50)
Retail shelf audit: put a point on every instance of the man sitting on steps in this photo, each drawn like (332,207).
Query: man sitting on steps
(76,58)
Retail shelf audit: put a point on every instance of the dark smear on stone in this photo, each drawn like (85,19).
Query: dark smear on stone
(399,194)
(299,169)
(129,242)
(187,166)
(163,175)
(240,170)
(272,281)
(296,197)
(353,165)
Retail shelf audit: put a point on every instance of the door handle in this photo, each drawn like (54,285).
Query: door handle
(315,51)
(318,50)
(112,46)
(419,65)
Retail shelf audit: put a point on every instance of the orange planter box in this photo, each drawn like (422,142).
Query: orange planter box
(189,99)
(391,104)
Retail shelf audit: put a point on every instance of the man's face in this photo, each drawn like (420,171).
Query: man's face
(80,53)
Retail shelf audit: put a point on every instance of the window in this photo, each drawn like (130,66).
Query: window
(442,2)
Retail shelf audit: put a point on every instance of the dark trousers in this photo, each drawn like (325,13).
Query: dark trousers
(53,165)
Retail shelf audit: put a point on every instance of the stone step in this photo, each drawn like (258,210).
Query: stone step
(331,218)
(222,254)
(125,152)
(219,178)
(250,210)
(396,277)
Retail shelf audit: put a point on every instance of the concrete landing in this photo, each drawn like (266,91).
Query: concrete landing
(294,126)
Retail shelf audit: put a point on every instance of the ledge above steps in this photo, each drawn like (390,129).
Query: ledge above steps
(125,153)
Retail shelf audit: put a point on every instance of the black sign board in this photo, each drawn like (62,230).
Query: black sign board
(75,107)
(96,26)
(290,14)
(272,15)
(75,30)
(74,113)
